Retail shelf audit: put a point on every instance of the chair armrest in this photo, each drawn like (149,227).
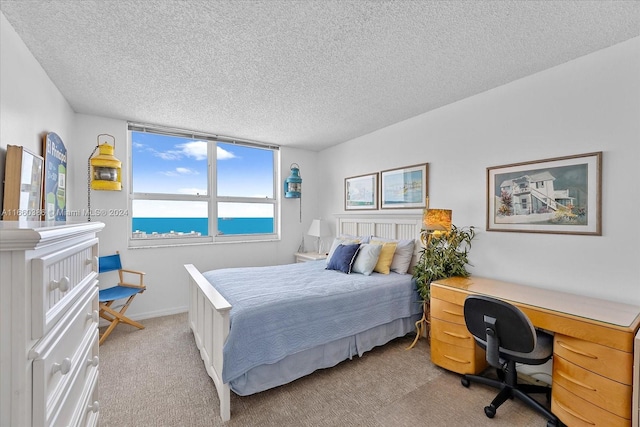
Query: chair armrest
(131,285)
(133,271)
(140,274)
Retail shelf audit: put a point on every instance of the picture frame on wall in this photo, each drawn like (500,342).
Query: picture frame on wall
(361,192)
(405,188)
(559,195)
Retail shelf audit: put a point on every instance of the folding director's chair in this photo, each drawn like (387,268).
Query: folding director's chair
(121,291)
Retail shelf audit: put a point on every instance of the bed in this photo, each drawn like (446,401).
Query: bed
(262,327)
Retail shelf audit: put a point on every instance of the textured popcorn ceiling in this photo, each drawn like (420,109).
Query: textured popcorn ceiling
(307,74)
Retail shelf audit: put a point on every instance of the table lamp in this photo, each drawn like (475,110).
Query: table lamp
(318,229)
(436,222)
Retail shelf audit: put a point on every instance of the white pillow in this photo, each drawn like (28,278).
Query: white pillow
(366,259)
(362,239)
(403,255)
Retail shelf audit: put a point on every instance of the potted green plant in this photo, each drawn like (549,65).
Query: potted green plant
(444,255)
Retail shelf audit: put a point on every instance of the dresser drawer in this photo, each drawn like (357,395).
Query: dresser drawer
(445,310)
(577,412)
(62,354)
(457,359)
(89,410)
(58,280)
(80,406)
(452,333)
(606,361)
(607,394)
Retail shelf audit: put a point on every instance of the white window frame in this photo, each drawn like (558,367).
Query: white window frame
(211,196)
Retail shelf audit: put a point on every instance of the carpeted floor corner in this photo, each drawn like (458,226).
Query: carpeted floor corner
(155,377)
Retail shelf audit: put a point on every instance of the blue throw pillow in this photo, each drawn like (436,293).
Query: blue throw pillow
(343,258)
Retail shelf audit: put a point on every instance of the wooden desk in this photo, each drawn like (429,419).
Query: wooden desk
(592,354)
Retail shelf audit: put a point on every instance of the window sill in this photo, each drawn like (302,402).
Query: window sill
(151,243)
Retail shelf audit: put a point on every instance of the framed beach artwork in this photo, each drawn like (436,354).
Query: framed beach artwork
(54,202)
(405,187)
(560,195)
(361,192)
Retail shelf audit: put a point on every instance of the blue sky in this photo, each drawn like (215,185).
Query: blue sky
(167,164)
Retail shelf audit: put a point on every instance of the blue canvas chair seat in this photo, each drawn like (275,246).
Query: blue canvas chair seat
(122,290)
(117,292)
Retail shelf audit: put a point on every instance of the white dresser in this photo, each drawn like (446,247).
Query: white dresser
(48,323)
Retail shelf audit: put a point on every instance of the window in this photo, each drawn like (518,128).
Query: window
(189,187)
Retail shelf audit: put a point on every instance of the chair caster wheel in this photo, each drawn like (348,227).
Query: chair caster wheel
(490,411)
(465,382)
(551,423)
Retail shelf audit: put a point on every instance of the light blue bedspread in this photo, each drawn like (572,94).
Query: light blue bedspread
(281,310)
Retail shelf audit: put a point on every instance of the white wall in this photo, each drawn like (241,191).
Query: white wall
(589,104)
(30,105)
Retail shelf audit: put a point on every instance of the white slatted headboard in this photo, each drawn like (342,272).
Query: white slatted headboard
(387,226)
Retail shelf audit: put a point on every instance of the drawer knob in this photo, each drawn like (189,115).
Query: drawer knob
(574,414)
(576,382)
(62,284)
(94,316)
(94,407)
(64,367)
(453,313)
(455,359)
(454,335)
(576,351)
(94,361)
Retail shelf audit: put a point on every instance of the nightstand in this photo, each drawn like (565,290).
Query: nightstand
(309,256)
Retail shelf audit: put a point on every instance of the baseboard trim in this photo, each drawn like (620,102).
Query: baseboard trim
(151,314)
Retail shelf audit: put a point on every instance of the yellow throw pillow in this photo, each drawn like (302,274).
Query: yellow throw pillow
(386,256)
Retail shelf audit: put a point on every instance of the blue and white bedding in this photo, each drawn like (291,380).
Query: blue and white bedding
(296,313)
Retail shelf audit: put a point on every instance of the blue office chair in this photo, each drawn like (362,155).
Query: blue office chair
(119,292)
(508,337)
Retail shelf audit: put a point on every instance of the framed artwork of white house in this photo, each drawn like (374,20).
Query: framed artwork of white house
(559,195)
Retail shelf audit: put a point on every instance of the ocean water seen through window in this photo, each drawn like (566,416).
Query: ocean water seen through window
(199,186)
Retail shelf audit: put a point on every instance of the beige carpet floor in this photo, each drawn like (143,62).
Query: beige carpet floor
(155,377)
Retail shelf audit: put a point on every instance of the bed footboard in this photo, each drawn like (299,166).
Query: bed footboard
(209,321)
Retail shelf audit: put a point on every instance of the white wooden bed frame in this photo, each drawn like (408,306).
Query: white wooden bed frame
(209,311)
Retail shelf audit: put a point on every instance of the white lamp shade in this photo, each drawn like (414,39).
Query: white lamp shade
(318,228)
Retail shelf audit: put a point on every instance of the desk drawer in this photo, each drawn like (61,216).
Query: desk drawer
(609,395)
(457,359)
(452,333)
(606,361)
(577,412)
(58,280)
(448,311)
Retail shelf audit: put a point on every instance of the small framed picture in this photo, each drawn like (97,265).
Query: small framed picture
(54,201)
(405,187)
(361,192)
(561,195)
(23,185)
